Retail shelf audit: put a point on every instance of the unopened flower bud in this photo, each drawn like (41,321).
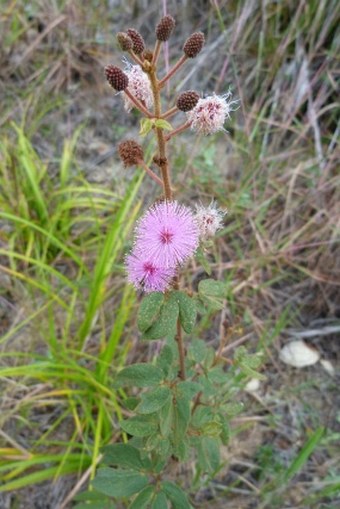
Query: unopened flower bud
(148,55)
(165,27)
(194,44)
(124,41)
(130,152)
(116,78)
(137,41)
(186,101)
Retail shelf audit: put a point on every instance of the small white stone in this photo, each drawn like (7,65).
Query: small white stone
(299,354)
(253,385)
(328,367)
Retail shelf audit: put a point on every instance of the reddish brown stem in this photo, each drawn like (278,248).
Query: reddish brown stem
(178,130)
(136,58)
(162,158)
(163,163)
(172,71)
(156,52)
(170,112)
(181,351)
(151,173)
(137,103)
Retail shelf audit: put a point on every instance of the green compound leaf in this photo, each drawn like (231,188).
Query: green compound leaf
(163,124)
(181,449)
(139,375)
(212,293)
(146,124)
(149,310)
(189,389)
(225,434)
(233,408)
(209,454)
(123,455)
(165,417)
(166,324)
(217,376)
(143,498)
(203,261)
(202,416)
(181,417)
(187,311)
(212,288)
(212,429)
(160,446)
(176,495)
(154,400)
(130,403)
(248,363)
(160,501)
(96,505)
(198,350)
(165,359)
(139,426)
(119,483)
(92,500)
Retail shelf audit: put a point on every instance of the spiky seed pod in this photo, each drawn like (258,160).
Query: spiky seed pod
(165,27)
(186,101)
(137,41)
(130,152)
(116,77)
(194,44)
(124,41)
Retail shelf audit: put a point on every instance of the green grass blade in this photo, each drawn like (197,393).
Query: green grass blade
(298,463)
(109,252)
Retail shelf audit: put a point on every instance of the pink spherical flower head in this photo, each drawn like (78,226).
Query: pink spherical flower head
(209,219)
(139,86)
(168,234)
(145,275)
(210,113)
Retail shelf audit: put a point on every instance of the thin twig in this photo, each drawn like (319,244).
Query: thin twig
(151,173)
(79,484)
(136,58)
(156,52)
(178,130)
(170,112)
(137,103)
(181,351)
(173,70)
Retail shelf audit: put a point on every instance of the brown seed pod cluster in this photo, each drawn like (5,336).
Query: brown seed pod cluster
(194,44)
(130,152)
(124,41)
(137,41)
(116,78)
(165,28)
(186,101)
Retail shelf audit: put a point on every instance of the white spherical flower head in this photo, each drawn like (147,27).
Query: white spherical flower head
(209,219)
(210,113)
(139,86)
